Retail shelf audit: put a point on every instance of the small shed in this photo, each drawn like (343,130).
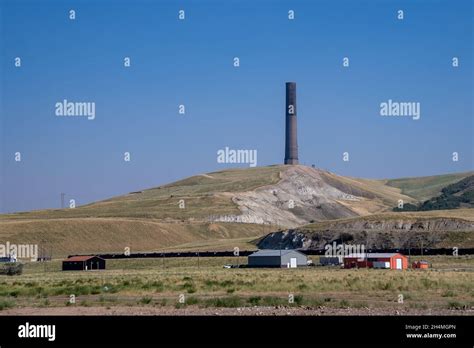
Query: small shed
(83,263)
(420,264)
(376,260)
(277,258)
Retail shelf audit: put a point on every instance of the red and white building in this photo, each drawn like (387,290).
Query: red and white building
(376,260)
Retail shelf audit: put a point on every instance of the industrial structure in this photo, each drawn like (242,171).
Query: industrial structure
(376,260)
(291,133)
(83,263)
(277,258)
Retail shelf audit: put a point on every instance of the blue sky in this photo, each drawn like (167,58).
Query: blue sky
(190,62)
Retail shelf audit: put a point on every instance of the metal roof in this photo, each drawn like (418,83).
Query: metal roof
(271,252)
(80,258)
(373,255)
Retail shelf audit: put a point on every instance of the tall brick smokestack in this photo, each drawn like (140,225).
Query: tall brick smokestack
(291,136)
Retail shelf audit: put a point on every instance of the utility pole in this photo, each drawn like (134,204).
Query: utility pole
(62,200)
(43,252)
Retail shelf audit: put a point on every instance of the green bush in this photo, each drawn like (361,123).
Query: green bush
(12,268)
(226,302)
(298,300)
(254,300)
(343,304)
(145,300)
(192,300)
(5,304)
(454,305)
(448,293)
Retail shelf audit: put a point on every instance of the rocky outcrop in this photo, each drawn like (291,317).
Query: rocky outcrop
(303,195)
(377,233)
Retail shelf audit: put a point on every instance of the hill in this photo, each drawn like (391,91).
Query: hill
(423,188)
(457,195)
(214,211)
(275,195)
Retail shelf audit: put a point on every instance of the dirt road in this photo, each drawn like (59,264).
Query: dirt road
(244,311)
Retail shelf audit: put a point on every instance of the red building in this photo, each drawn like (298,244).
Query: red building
(376,260)
(420,264)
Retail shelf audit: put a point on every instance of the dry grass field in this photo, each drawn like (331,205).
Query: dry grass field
(204,283)
(107,235)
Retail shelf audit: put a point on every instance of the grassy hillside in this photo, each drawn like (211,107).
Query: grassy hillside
(105,235)
(423,188)
(457,195)
(203,195)
(464,214)
(369,188)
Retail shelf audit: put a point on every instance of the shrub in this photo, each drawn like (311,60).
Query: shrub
(448,293)
(226,302)
(454,305)
(343,304)
(255,300)
(5,304)
(227,283)
(274,301)
(192,300)
(158,286)
(359,305)
(298,299)
(189,287)
(14,293)
(211,283)
(146,300)
(302,286)
(12,268)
